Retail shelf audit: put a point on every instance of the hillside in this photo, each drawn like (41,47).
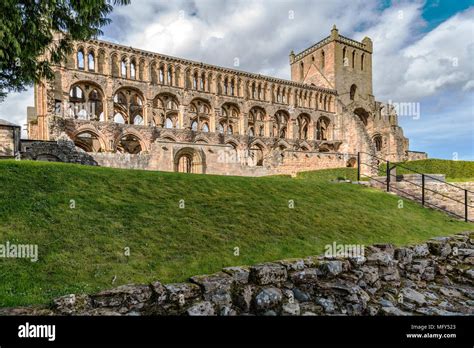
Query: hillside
(81,249)
(455,171)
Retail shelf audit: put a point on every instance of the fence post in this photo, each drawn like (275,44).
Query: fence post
(465,206)
(358,166)
(422,189)
(388,176)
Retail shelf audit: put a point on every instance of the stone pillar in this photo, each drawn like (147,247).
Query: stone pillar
(86,60)
(181,114)
(268,126)
(42,110)
(182,78)
(165,74)
(212,121)
(146,111)
(291,128)
(243,124)
(109,109)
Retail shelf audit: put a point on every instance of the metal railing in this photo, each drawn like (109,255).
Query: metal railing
(389,168)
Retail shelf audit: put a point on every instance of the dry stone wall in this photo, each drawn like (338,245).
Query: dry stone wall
(432,278)
(60,151)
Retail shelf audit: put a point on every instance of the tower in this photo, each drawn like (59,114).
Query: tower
(336,62)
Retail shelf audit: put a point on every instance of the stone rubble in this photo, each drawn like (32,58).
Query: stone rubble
(432,278)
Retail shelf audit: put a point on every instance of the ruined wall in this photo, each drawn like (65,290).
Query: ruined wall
(222,159)
(60,151)
(416,155)
(7,144)
(432,278)
(200,103)
(297,161)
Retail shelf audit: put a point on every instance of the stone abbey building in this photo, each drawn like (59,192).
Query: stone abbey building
(131,108)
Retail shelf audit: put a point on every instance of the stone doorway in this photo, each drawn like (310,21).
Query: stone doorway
(189,160)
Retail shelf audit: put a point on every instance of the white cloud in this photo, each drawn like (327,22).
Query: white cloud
(260,33)
(408,64)
(409,67)
(13,109)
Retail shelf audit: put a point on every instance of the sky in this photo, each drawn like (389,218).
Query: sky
(423,51)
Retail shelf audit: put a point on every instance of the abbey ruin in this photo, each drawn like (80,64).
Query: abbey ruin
(130,108)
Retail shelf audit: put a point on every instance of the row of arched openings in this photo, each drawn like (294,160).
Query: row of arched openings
(86,103)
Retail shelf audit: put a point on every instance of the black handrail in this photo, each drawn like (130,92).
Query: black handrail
(414,171)
(388,175)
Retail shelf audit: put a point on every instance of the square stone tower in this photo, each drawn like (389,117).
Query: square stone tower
(336,62)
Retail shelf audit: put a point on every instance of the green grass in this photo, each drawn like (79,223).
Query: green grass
(82,249)
(455,171)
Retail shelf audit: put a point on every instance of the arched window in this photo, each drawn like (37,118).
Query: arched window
(168,123)
(195,81)
(138,120)
(260,92)
(226,86)
(124,68)
(230,130)
(280,123)
(251,132)
(129,144)
(256,154)
(80,59)
(202,83)
(301,70)
(232,87)
(132,70)
(353,59)
(205,128)
(378,142)
(353,92)
(322,128)
(170,76)
(362,62)
(194,126)
(118,118)
(254,95)
(323,59)
(220,128)
(162,75)
(344,58)
(303,123)
(76,93)
(261,132)
(91,61)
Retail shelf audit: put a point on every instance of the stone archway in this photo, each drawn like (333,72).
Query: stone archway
(89,141)
(363,115)
(129,143)
(189,160)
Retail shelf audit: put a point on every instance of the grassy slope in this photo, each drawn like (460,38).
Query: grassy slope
(82,249)
(454,170)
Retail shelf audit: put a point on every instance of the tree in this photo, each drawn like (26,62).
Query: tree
(29,40)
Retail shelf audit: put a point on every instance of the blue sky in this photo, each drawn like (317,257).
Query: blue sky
(422,51)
